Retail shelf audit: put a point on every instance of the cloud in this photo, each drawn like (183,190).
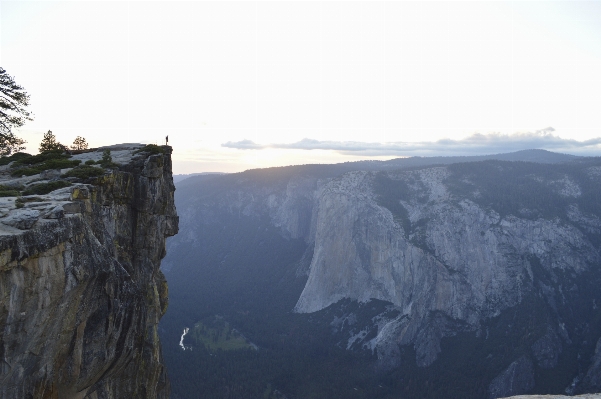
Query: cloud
(476,144)
(244,145)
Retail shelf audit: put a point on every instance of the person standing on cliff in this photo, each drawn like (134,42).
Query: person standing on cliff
(166,140)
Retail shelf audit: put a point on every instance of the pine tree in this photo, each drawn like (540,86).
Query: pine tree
(79,144)
(49,143)
(107,159)
(13,114)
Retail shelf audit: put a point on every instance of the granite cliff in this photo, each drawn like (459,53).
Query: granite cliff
(81,293)
(489,270)
(452,254)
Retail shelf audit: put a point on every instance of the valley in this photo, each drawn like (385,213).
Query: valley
(396,279)
(214,333)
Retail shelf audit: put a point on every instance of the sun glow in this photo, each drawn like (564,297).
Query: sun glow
(207,73)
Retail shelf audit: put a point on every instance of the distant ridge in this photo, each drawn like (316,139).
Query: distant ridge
(332,170)
(533,155)
(178,178)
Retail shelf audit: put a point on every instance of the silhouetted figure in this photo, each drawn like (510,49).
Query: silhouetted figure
(166,140)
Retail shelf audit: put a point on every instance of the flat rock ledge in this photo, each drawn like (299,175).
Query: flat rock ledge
(59,203)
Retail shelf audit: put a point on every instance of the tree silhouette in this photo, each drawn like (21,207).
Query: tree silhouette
(79,144)
(13,114)
(49,143)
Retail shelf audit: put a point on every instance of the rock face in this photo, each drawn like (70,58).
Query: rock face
(81,292)
(592,380)
(517,378)
(498,259)
(457,264)
(547,349)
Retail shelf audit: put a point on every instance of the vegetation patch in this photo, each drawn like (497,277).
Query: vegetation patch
(25,172)
(512,188)
(55,161)
(151,148)
(215,333)
(60,163)
(40,158)
(15,157)
(8,192)
(107,160)
(45,188)
(84,172)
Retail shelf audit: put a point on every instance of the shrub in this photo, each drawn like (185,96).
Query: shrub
(35,159)
(60,163)
(151,148)
(45,188)
(56,163)
(25,172)
(107,159)
(15,157)
(84,172)
(8,192)
(90,162)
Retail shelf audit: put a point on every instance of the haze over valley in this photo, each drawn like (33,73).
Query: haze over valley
(413,278)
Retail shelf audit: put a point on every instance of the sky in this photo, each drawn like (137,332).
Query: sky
(240,85)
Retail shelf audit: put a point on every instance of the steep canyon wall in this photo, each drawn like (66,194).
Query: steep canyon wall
(496,260)
(81,292)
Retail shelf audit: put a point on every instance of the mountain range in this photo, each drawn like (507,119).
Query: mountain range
(456,277)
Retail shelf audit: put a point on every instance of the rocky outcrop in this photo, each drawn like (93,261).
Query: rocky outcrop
(547,349)
(516,379)
(458,264)
(81,292)
(592,380)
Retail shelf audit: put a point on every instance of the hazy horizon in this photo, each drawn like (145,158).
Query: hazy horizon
(241,85)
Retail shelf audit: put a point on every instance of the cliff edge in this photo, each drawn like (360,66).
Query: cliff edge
(81,293)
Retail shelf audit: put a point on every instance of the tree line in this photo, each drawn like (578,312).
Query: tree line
(14,101)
